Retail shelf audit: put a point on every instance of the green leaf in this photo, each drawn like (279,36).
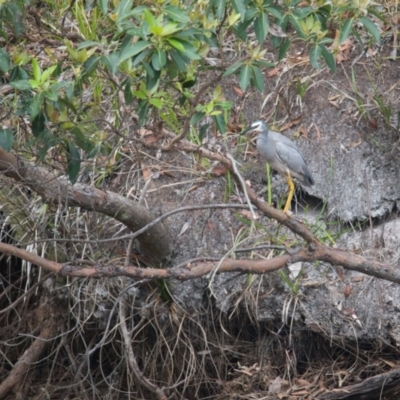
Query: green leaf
(239,7)
(153,78)
(176,44)
(131,51)
(240,29)
(245,76)
(302,12)
(296,26)
(141,56)
(220,123)
(185,48)
(156,103)
(176,14)
(36,104)
(371,28)
(21,85)
(103,6)
(158,59)
(88,43)
(4,61)
(346,29)
(196,117)
(111,62)
(328,57)
(123,9)
(258,78)
(90,64)
(179,60)
(6,139)
(221,4)
(315,54)
(39,124)
(74,162)
(261,26)
(128,93)
(275,11)
(47,73)
(232,69)
(36,72)
(283,48)
(149,18)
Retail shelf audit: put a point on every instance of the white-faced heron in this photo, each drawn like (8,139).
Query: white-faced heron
(283,156)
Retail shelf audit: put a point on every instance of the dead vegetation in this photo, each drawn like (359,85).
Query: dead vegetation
(129,334)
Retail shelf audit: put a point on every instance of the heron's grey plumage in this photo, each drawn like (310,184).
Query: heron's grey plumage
(281,153)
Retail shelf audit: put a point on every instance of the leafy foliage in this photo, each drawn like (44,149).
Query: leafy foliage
(153,54)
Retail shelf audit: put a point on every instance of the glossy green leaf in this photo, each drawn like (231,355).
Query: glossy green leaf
(258,78)
(346,29)
(176,14)
(283,48)
(111,62)
(296,26)
(6,139)
(302,12)
(240,29)
(196,117)
(220,123)
(159,59)
(156,103)
(21,85)
(152,80)
(128,93)
(91,64)
(315,54)
(4,61)
(149,18)
(261,26)
(245,76)
(221,4)
(36,104)
(88,43)
(131,51)
(178,59)
(141,56)
(176,44)
(39,124)
(36,72)
(74,162)
(232,69)
(371,28)
(328,57)
(239,7)
(103,4)
(275,11)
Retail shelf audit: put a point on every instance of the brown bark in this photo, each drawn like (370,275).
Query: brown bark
(315,252)
(156,242)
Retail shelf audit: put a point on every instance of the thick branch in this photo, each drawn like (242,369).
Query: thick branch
(156,242)
(312,253)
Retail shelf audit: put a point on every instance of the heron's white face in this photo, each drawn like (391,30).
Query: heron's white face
(257,126)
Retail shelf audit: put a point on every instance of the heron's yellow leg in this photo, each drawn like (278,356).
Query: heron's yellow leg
(290,195)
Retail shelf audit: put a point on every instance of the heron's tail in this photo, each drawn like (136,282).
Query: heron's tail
(307,180)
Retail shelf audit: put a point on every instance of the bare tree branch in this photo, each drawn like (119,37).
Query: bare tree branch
(156,242)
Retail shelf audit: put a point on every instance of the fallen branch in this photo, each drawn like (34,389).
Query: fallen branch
(313,253)
(156,242)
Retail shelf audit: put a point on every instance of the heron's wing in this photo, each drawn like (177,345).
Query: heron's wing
(291,157)
(279,138)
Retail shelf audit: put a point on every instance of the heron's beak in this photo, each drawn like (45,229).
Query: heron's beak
(246,131)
